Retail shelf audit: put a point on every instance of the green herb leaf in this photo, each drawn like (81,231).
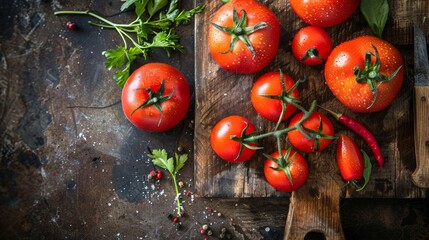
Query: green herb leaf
(185,16)
(366,171)
(155,5)
(115,57)
(375,13)
(140,7)
(127,4)
(173,165)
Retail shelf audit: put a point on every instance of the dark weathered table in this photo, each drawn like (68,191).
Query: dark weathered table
(72,166)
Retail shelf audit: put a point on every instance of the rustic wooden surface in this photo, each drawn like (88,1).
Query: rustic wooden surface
(220,93)
(72,167)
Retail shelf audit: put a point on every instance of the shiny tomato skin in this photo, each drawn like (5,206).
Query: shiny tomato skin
(340,77)
(265,41)
(150,76)
(324,13)
(270,84)
(300,142)
(224,146)
(278,178)
(311,37)
(349,158)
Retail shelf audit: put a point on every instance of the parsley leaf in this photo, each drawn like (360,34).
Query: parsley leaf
(144,33)
(172,165)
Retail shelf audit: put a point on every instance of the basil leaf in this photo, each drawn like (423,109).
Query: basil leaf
(375,13)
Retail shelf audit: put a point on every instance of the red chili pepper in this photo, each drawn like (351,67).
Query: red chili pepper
(362,131)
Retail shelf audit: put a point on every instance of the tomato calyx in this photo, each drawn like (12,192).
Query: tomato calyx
(285,97)
(370,73)
(240,31)
(283,162)
(312,53)
(244,141)
(366,174)
(316,135)
(156,98)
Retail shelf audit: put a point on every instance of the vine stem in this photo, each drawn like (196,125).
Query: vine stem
(277,133)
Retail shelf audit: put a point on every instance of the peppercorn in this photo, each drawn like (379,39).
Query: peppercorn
(71,25)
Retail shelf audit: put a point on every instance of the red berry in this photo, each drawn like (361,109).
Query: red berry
(159,175)
(71,25)
(152,173)
(203,231)
(176,219)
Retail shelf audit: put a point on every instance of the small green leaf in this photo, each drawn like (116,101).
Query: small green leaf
(180,161)
(121,76)
(140,7)
(366,171)
(185,16)
(155,5)
(127,4)
(375,13)
(114,57)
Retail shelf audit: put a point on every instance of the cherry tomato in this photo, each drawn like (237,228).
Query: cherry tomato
(261,31)
(311,45)
(227,148)
(276,176)
(365,73)
(270,84)
(324,13)
(349,159)
(156,97)
(317,126)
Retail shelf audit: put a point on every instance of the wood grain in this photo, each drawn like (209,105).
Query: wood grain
(220,93)
(421,136)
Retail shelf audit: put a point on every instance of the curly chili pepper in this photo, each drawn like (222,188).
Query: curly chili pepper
(362,131)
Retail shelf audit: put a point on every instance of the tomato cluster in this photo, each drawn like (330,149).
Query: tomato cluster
(364,73)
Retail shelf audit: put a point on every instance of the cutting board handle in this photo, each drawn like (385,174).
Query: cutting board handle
(315,208)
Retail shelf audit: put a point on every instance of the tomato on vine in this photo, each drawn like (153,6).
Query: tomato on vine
(243,36)
(274,96)
(315,134)
(311,45)
(286,173)
(156,97)
(228,139)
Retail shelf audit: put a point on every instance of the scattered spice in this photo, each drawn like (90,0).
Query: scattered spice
(71,25)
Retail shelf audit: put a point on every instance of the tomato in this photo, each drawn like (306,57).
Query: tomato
(365,73)
(311,45)
(228,29)
(317,126)
(227,148)
(275,173)
(324,13)
(156,97)
(349,159)
(270,84)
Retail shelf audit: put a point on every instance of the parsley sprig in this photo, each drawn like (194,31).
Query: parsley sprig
(172,165)
(153,27)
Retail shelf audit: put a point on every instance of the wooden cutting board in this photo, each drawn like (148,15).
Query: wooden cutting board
(220,94)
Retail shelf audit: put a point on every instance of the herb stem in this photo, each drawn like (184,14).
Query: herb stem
(176,187)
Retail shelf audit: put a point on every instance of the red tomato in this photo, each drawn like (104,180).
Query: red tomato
(347,63)
(225,34)
(271,84)
(227,148)
(349,159)
(324,13)
(311,45)
(317,126)
(276,176)
(156,97)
